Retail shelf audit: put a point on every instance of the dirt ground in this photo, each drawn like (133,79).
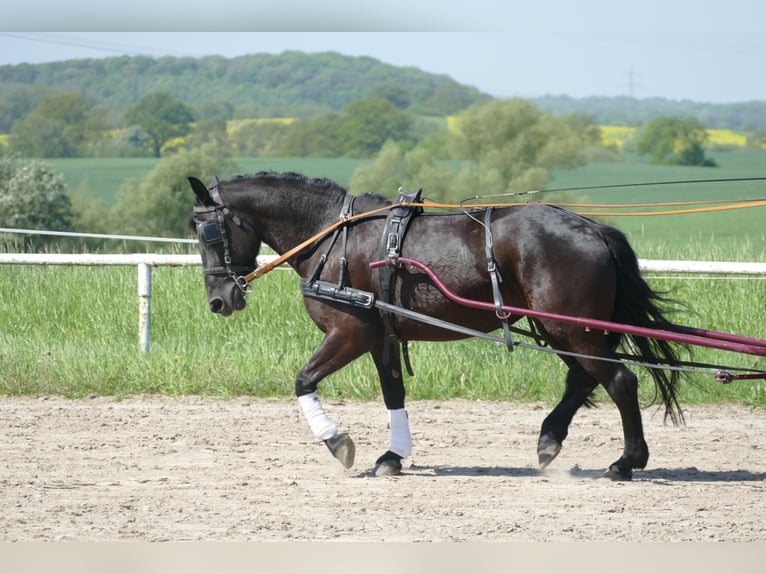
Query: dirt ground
(177,469)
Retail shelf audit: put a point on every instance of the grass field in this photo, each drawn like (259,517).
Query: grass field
(740,232)
(104,177)
(79,337)
(73,331)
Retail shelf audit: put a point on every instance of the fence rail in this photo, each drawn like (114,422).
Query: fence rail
(145,261)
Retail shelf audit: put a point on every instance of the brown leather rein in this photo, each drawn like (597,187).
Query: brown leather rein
(720,205)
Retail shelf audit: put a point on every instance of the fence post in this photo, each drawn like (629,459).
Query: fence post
(144,305)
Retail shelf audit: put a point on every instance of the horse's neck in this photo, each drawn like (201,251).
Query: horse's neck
(284,219)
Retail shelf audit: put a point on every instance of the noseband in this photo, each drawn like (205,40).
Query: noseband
(214,233)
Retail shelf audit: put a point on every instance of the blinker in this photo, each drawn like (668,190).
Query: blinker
(210,233)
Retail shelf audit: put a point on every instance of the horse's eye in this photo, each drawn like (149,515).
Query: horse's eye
(209,232)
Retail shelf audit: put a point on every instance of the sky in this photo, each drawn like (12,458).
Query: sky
(675,49)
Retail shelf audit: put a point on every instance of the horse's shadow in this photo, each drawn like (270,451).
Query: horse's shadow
(689,474)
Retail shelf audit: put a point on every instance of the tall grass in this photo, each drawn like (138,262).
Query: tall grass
(73,331)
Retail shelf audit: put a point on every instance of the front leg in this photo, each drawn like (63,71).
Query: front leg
(392,385)
(340,444)
(336,351)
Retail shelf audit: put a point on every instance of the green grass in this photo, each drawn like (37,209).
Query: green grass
(103,177)
(740,231)
(73,331)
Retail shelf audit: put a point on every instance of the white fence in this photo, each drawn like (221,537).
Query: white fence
(145,262)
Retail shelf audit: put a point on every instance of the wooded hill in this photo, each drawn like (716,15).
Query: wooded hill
(296,84)
(291,84)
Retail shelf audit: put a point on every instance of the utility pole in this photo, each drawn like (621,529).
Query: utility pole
(631,82)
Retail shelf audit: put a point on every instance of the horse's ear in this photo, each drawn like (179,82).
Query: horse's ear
(202,193)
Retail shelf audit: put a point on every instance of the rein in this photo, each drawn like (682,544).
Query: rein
(730,204)
(214,232)
(243,281)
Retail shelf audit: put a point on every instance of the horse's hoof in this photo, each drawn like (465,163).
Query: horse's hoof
(342,447)
(548,448)
(616,473)
(390,464)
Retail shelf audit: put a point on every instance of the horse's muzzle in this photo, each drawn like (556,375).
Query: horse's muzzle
(220,306)
(216,305)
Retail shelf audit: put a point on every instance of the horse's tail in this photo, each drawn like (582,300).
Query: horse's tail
(638,304)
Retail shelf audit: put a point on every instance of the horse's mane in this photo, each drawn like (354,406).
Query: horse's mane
(318,185)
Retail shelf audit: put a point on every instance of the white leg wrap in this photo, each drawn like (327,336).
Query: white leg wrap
(401,438)
(322,427)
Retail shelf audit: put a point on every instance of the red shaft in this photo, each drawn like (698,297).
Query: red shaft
(690,335)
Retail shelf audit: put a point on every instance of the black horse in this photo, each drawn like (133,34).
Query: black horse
(548,259)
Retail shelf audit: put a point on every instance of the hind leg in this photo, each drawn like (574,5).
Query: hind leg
(555,427)
(623,388)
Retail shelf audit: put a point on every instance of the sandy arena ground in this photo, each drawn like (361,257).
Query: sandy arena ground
(167,469)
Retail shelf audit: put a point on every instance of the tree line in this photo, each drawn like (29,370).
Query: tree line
(299,85)
(500,147)
(66,125)
(291,84)
(495,146)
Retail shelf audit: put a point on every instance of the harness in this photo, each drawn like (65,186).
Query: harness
(214,234)
(496,279)
(397,223)
(318,289)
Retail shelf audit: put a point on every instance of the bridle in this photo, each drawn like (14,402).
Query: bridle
(214,233)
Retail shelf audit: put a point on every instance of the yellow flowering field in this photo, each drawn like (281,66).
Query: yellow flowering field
(233,126)
(618,135)
(727,138)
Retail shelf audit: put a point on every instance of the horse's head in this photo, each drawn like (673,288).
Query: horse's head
(228,245)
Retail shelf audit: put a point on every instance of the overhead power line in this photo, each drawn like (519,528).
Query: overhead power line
(88,43)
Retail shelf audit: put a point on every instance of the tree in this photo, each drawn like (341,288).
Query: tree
(57,127)
(162,117)
(259,138)
(359,131)
(393,92)
(672,140)
(367,124)
(518,142)
(501,146)
(318,137)
(161,202)
(36,136)
(395,167)
(33,196)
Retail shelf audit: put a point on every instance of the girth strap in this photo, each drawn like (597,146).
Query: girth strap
(397,223)
(496,279)
(346,212)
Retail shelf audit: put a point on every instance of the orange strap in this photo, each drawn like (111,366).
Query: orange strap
(261,271)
